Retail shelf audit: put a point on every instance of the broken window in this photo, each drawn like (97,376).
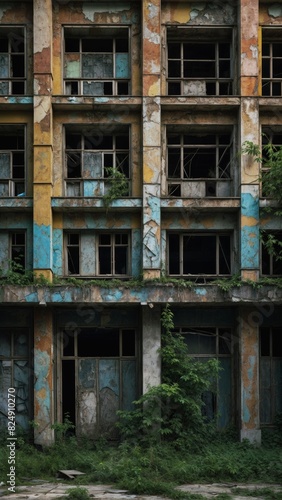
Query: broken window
(270,374)
(271,64)
(15,374)
(12,161)
(104,254)
(91,159)
(198,67)
(97,61)
(199,163)
(271,137)
(197,254)
(271,254)
(12,61)
(213,343)
(18,251)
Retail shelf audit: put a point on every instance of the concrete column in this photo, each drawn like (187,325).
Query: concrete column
(151,27)
(249,372)
(151,321)
(43,377)
(43,140)
(250,131)
(248,24)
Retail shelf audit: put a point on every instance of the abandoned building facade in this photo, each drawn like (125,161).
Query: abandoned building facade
(121,180)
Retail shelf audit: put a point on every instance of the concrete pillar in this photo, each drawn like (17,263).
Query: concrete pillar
(250,131)
(43,377)
(43,140)
(151,78)
(249,374)
(151,321)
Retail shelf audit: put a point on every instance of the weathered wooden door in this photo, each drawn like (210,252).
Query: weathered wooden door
(105,385)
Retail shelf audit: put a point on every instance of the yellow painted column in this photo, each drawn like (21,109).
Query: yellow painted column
(249,131)
(151,75)
(43,139)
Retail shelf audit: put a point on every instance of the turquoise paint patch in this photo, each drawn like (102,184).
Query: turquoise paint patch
(41,368)
(200,291)
(58,251)
(32,297)
(246,412)
(20,100)
(111,296)
(250,234)
(252,361)
(122,66)
(42,243)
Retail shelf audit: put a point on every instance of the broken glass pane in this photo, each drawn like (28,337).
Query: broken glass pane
(20,344)
(4,88)
(4,165)
(72,66)
(4,66)
(122,66)
(97,66)
(92,165)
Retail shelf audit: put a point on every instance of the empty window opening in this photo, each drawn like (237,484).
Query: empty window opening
(113,254)
(12,161)
(271,254)
(97,61)
(201,157)
(199,254)
(272,68)
(198,67)
(213,343)
(92,158)
(68,391)
(12,61)
(270,374)
(18,251)
(73,250)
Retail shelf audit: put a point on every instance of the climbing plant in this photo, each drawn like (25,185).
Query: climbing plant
(172,411)
(117,185)
(270,158)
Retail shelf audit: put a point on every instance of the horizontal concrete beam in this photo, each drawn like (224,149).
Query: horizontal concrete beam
(150,293)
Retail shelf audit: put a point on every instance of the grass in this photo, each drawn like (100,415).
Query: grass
(152,471)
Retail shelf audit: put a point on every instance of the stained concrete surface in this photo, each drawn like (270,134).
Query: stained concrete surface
(41,490)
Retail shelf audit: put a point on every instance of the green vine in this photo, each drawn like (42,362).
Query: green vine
(118,186)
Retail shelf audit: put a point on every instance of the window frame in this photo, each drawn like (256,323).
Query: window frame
(195,186)
(99,181)
(270,36)
(75,85)
(96,248)
(216,235)
(11,181)
(270,257)
(199,35)
(13,245)
(13,33)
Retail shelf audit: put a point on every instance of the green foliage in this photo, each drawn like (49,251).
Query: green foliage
(16,275)
(118,186)
(172,411)
(63,429)
(78,493)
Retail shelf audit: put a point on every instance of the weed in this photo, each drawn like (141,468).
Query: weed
(78,493)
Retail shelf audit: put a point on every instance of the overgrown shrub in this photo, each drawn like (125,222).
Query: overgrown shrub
(172,411)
